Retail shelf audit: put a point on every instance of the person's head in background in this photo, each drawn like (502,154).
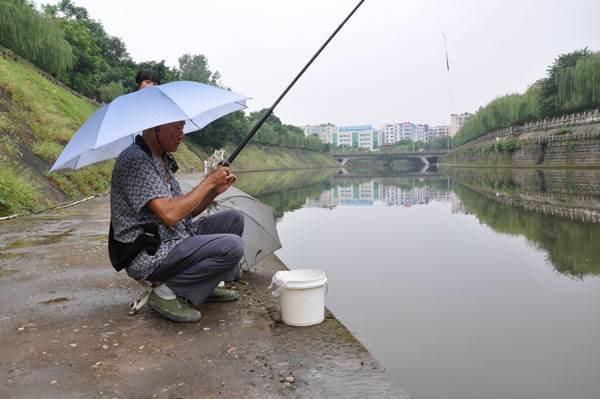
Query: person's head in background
(145,78)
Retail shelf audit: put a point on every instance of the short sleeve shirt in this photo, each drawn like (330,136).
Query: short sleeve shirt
(138,178)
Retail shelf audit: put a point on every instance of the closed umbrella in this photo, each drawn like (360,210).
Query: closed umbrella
(114,126)
(260,232)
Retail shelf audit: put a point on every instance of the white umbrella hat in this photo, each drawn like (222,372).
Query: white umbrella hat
(114,126)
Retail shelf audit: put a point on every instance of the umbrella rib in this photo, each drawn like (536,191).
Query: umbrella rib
(99,126)
(254,220)
(190,118)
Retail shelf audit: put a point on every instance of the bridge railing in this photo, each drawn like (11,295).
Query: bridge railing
(380,153)
(569,120)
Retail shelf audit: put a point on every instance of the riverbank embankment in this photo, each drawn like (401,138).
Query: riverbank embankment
(568,141)
(38,116)
(65,331)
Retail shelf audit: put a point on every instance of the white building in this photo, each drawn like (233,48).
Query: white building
(362,136)
(457,121)
(322,131)
(420,133)
(393,133)
(438,131)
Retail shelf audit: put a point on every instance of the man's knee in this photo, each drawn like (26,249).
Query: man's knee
(233,247)
(237,221)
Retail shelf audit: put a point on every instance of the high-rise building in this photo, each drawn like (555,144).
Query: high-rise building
(362,136)
(420,133)
(395,132)
(322,131)
(438,131)
(457,121)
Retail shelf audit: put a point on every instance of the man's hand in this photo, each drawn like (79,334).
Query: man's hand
(172,210)
(220,179)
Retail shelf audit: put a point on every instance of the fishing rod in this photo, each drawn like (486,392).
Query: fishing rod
(269,111)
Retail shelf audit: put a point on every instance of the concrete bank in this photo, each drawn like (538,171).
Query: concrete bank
(65,332)
(572,141)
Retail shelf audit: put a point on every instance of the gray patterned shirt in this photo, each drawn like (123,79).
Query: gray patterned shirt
(138,178)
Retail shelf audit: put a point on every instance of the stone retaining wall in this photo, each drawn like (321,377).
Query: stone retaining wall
(574,144)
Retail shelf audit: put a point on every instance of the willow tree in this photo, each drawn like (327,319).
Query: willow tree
(579,85)
(34,36)
(505,111)
(572,84)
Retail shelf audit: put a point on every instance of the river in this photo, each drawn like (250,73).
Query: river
(474,283)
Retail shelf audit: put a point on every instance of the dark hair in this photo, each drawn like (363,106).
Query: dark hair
(147,74)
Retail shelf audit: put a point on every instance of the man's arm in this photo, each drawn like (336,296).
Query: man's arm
(171,210)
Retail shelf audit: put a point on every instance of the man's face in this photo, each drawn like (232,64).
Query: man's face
(146,83)
(171,135)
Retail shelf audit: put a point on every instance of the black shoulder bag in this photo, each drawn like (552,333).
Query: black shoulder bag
(121,254)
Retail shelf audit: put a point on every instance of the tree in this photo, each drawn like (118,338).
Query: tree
(550,104)
(34,36)
(167,74)
(195,68)
(100,59)
(110,91)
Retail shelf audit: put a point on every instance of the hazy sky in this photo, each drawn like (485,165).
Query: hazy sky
(386,65)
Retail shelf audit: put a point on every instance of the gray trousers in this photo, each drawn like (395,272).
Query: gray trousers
(196,265)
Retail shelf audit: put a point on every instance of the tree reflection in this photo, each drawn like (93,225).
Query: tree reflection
(571,245)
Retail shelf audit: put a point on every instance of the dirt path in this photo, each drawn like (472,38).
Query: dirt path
(65,332)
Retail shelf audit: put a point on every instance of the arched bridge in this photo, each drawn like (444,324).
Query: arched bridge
(425,157)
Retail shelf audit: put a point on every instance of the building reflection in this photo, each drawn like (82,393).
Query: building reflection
(405,193)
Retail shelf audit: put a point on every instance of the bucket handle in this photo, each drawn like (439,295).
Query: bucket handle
(274,287)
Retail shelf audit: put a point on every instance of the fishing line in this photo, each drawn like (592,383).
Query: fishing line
(269,111)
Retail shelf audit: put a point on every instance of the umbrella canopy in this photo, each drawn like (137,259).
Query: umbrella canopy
(114,126)
(260,233)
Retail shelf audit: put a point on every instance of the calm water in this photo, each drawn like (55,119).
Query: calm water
(463,286)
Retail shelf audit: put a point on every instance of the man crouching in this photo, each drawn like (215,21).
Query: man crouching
(152,233)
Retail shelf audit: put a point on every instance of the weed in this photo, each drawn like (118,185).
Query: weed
(508,145)
(9,148)
(16,191)
(563,130)
(7,124)
(47,150)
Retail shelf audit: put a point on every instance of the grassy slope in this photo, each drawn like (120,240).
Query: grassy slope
(37,118)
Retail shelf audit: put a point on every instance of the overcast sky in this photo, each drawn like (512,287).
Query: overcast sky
(386,65)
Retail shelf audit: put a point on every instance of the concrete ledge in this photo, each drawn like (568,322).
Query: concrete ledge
(65,332)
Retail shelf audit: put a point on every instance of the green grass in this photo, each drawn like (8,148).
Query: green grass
(37,119)
(16,191)
(40,116)
(49,110)
(7,124)
(257,157)
(563,130)
(47,150)
(9,148)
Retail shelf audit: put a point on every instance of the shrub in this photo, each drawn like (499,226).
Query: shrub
(16,191)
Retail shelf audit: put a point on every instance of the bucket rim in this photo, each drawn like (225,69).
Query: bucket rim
(319,278)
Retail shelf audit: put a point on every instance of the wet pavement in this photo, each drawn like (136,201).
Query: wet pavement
(65,331)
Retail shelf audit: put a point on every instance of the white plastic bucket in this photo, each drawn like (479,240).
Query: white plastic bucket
(301,295)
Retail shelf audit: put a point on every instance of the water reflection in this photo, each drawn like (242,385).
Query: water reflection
(446,277)
(571,245)
(286,190)
(557,211)
(399,191)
